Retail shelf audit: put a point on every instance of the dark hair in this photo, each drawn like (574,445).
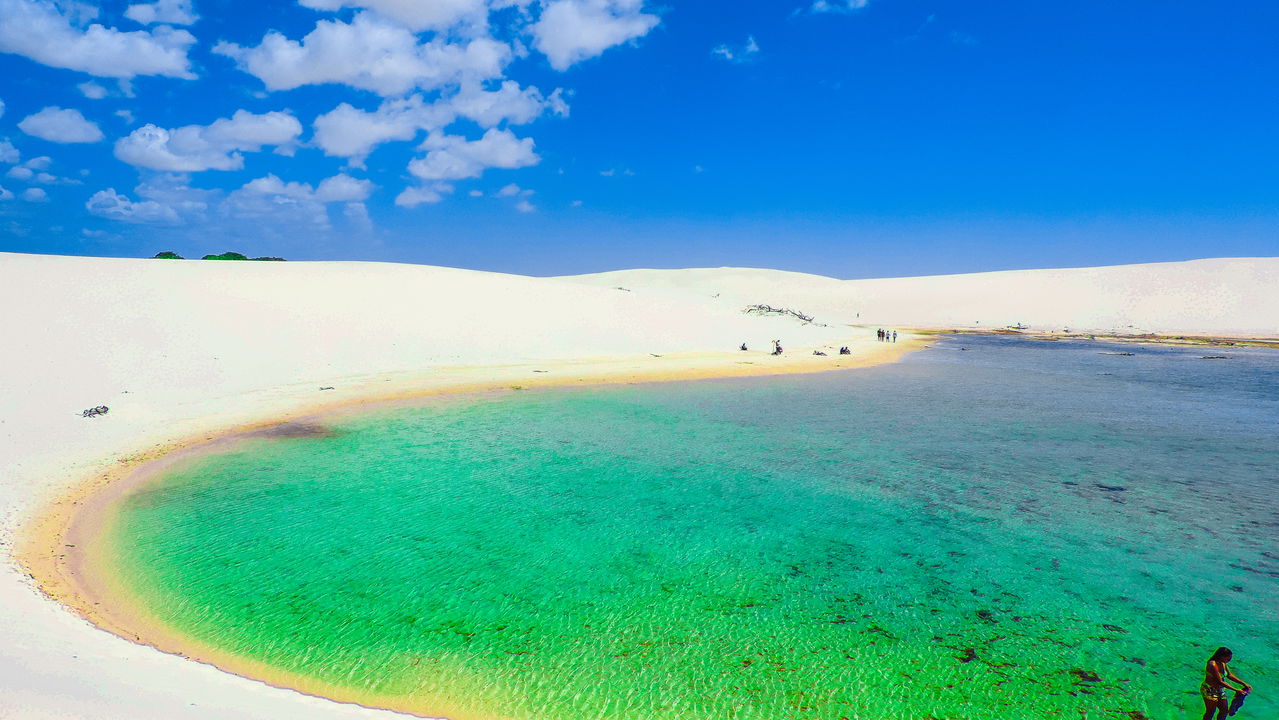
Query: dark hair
(1223,654)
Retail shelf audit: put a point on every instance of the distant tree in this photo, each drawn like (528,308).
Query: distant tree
(168,255)
(238,256)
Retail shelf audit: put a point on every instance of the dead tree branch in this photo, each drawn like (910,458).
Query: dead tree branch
(770,310)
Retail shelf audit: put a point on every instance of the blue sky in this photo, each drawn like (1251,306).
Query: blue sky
(843,137)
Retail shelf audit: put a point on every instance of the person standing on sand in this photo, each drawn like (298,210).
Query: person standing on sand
(894,336)
(1213,688)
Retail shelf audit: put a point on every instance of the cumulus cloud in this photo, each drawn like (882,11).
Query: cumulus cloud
(369,53)
(8,153)
(32,171)
(35,195)
(173,12)
(92,90)
(352,133)
(415,14)
(113,206)
(195,148)
(838,6)
(343,188)
(571,31)
(414,196)
(349,132)
(525,206)
(1,108)
(357,217)
(61,126)
(452,157)
(5,194)
(508,103)
(738,53)
(294,201)
(55,34)
(173,190)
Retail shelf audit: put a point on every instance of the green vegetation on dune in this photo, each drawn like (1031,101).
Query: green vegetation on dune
(239,256)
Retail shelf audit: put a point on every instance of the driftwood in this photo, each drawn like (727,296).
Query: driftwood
(770,310)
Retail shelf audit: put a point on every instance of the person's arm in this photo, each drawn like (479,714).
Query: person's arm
(1230,674)
(1214,670)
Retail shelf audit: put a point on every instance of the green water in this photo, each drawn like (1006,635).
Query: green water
(1016,531)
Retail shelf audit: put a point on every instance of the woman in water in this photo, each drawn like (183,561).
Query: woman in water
(1214,687)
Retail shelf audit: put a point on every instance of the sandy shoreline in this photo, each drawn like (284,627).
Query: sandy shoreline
(61,549)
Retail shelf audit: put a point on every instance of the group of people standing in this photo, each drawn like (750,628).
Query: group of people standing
(887,335)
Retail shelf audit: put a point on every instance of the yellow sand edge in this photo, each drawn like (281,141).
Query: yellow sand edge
(61,548)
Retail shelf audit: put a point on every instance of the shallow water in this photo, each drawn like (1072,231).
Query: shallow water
(1016,530)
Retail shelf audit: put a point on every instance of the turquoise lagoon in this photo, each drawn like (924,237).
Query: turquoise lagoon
(992,528)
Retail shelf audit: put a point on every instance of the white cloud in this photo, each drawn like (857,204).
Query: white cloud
(294,201)
(838,6)
(738,53)
(35,195)
(5,194)
(371,54)
(508,103)
(452,157)
(172,12)
(357,216)
(114,206)
(348,132)
(509,191)
(55,34)
(343,188)
(476,193)
(570,31)
(32,171)
(174,190)
(417,15)
(214,147)
(61,126)
(525,206)
(1,108)
(9,153)
(414,196)
(125,115)
(92,90)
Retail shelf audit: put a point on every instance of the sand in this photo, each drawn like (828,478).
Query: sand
(183,351)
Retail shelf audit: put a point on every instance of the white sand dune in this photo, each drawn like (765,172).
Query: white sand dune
(1221,296)
(179,347)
